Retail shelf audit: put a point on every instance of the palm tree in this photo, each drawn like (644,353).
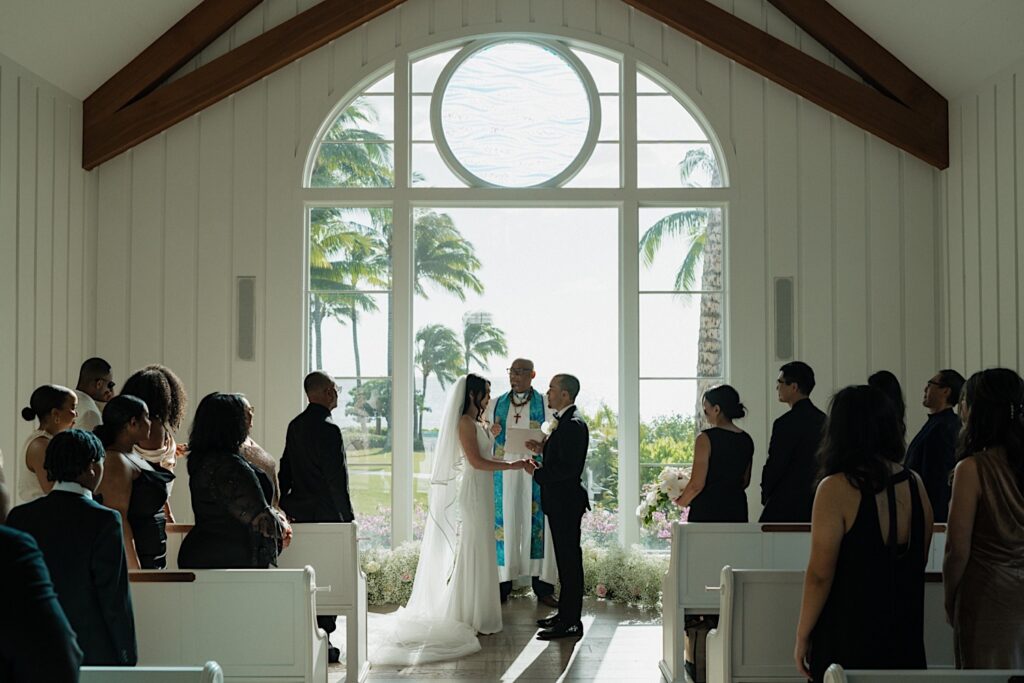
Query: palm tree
(350,155)
(703,229)
(438,353)
(443,257)
(481,339)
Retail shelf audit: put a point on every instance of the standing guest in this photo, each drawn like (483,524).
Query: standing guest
(932,453)
(722,457)
(95,387)
(236,528)
(38,644)
(164,395)
(523,539)
(886,382)
(314,474)
(133,486)
(983,571)
(863,598)
(56,409)
(787,479)
(81,543)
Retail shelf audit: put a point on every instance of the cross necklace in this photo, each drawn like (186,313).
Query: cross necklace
(518,407)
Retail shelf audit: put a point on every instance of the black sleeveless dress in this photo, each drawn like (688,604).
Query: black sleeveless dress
(874,615)
(723,498)
(146,515)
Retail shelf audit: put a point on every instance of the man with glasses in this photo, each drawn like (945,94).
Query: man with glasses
(787,480)
(523,539)
(95,387)
(932,453)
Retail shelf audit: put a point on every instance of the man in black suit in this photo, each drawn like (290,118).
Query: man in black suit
(564,500)
(314,476)
(83,546)
(787,480)
(932,453)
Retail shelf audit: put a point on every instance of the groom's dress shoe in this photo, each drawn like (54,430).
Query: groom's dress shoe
(562,631)
(548,622)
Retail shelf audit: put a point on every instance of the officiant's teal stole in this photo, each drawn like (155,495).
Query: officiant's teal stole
(536,514)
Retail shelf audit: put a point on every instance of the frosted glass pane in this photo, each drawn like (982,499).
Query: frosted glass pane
(515,114)
(426,71)
(601,170)
(609,118)
(662,117)
(670,332)
(658,165)
(673,248)
(429,169)
(604,71)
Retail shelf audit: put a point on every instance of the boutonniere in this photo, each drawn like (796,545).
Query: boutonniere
(549,427)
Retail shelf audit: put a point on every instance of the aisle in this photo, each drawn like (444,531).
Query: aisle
(620,644)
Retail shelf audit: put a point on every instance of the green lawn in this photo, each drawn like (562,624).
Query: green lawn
(370,478)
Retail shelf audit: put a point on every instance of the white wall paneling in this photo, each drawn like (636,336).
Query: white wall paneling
(851,218)
(47,248)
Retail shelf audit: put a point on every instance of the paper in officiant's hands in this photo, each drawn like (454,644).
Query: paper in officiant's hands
(515,441)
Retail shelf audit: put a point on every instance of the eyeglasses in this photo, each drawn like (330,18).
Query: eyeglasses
(519,371)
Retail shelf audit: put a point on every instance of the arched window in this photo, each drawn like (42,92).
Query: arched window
(516,197)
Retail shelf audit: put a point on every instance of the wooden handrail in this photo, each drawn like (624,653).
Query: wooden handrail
(159,576)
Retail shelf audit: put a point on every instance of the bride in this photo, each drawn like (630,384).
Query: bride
(455,593)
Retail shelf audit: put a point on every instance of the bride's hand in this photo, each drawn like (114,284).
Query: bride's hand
(530,465)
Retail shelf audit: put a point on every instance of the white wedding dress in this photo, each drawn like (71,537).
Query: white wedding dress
(455,591)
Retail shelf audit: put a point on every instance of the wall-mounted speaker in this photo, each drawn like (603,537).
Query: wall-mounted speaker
(785,318)
(246,287)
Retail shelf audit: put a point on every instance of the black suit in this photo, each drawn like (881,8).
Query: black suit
(932,454)
(83,546)
(314,475)
(787,480)
(36,640)
(564,500)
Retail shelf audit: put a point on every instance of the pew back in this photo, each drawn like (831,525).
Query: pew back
(256,623)
(836,674)
(211,673)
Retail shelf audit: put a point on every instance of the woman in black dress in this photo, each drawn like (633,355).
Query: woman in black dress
(863,599)
(722,456)
(235,528)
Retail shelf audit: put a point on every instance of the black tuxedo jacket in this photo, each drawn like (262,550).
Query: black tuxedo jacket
(787,480)
(84,550)
(314,475)
(565,454)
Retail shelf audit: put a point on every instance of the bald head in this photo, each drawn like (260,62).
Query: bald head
(521,374)
(320,389)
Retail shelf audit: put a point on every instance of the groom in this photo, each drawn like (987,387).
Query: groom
(564,501)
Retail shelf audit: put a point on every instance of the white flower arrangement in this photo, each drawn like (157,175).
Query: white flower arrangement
(549,427)
(660,495)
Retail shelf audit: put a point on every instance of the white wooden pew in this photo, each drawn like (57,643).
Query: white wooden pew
(757,626)
(836,674)
(699,551)
(258,624)
(210,673)
(333,552)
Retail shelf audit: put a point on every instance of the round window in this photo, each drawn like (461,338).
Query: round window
(515,113)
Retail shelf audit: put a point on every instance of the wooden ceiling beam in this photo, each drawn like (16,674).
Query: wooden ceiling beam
(859,51)
(168,53)
(107,136)
(925,134)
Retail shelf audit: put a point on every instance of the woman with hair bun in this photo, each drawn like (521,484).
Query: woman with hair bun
(722,457)
(131,485)
(55,408)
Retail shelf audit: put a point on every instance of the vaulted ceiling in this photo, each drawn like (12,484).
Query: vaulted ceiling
(78,44)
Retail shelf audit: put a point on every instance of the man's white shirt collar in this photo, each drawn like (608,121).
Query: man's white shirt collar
(560,413)
(72,487)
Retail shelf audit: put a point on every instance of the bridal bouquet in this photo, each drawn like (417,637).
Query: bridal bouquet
(659,495)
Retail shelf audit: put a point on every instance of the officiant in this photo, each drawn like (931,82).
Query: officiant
(522,536)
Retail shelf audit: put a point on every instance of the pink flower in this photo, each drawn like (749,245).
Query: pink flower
(406,577)
(601,590)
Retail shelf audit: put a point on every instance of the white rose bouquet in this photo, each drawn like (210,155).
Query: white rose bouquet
(659,495)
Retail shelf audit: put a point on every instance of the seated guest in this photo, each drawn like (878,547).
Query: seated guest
(886,382)
(787,479)
(95,387)
(235,526)
(36,640)
(983,571)
(262,462)
(81,543)
(164,395)
(131,485)
(863,599)
(932,453)
(56,409)
(722,457)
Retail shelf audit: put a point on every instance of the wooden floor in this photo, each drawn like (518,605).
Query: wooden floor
(619,644)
